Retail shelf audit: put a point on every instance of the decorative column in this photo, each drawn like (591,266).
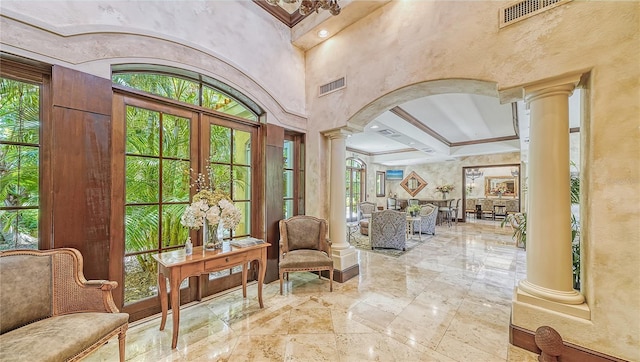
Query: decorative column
(549,258)
(345,256)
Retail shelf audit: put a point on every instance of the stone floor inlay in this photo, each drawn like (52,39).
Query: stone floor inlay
(446,299)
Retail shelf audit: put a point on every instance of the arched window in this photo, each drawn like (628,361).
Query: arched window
(356,176)
(188,87)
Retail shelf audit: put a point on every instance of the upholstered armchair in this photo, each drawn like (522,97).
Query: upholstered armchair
(388,229)
(365,209)
(304,247)
(428,217)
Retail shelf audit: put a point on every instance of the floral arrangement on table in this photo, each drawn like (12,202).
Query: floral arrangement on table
(210,207)
(445,188)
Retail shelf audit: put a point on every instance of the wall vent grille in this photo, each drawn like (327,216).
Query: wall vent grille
(526,8)
(332,86)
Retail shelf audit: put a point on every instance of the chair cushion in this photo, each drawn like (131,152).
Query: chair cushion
(58,338)
(25,279)
(305,259)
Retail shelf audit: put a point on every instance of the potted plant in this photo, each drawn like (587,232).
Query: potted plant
(413,210)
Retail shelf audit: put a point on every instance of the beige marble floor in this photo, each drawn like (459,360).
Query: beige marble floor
(446,300)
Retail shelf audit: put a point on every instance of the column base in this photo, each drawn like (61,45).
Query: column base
(576,310)
(559,296)
(345,263)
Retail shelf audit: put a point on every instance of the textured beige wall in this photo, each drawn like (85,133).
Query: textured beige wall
(388,56)
(396,54)
(250,50)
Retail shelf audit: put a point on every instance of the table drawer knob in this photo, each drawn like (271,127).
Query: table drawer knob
(226,259)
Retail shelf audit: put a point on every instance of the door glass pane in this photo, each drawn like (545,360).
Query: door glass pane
(244,227)
(220,141)
(241,182)
(173,233)
(222,177)
(175,180)
(175,136)
(140,278)
(141,180)
(142,132)
(241,147)
(141,228)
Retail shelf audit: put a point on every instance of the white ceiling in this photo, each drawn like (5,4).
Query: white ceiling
(443,127)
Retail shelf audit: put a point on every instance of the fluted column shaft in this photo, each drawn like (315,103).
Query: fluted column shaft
(549,258)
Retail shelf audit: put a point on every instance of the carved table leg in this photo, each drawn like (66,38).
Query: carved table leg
(162,285)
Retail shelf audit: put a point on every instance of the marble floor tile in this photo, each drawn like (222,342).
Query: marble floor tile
(448,299)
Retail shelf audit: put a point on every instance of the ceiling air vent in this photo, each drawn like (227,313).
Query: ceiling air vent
(332,86)
(526,8)
(386,132)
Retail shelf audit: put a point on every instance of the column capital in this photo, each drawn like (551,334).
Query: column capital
(342,132)
(559,85)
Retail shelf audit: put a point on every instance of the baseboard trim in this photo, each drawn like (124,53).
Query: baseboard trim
(342,276)
(525,339)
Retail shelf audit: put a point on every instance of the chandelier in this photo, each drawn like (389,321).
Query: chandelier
(473,173)
(305,7)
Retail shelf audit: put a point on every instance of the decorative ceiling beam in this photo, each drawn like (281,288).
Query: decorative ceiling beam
(281,14)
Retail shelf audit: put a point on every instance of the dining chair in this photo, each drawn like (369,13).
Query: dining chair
(454,211)
(470,206)
(392,203)
(486,208)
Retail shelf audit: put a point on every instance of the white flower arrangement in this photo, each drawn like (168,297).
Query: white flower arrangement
(212,206)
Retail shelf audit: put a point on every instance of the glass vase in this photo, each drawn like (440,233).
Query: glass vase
(444,195)
(211,237)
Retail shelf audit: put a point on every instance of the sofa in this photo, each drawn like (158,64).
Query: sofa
(50,312)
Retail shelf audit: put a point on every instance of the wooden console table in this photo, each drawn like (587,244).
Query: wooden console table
(176,266)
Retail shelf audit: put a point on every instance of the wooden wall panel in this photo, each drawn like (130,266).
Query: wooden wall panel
(274,199)
(81,91)
(81,167)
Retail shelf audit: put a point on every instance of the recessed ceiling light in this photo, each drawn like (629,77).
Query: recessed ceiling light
(375,126)
(323,33)
(412,143)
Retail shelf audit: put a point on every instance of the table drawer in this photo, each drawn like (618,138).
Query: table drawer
(230,260)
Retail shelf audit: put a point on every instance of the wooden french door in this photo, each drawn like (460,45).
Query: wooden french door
(158,150)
